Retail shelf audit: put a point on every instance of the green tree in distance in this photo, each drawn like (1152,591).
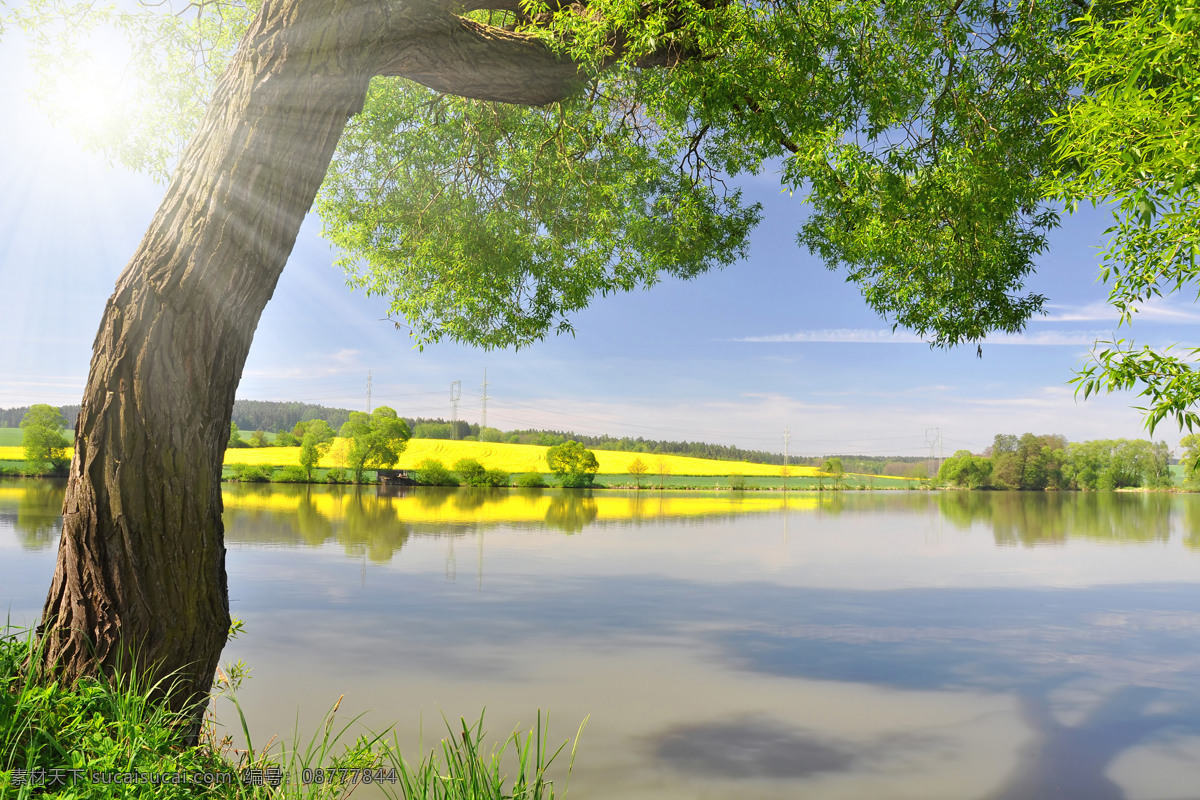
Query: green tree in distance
(572,463)
(637,468)
(43,440)
(316,441)
(376,440)
(834,467)
(964,469)
(1190,461)
(502,165)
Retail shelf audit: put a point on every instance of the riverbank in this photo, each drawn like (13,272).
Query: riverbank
(107,739)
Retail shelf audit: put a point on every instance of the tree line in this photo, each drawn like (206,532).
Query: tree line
(12,417)
(1038,463)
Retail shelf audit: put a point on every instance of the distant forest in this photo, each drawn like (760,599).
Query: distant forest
(272,416)
(11,417)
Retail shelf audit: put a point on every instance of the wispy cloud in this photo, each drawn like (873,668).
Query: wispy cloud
(1153,311)
(886,336)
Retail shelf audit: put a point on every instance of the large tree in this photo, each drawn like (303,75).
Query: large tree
(504,163)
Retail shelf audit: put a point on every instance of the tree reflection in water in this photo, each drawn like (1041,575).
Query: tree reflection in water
(1034,645)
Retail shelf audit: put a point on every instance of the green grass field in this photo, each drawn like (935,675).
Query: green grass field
(12,437)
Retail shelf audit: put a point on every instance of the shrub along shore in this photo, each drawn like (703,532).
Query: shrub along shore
(106,739)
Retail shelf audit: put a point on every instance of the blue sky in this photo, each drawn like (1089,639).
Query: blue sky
(734,357)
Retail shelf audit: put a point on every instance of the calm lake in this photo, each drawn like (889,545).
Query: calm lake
(858,645)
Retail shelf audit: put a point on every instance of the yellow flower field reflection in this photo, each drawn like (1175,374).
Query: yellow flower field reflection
(474,506)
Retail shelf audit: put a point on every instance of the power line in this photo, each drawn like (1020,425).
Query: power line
(455,394)
(483,403)
(933,438)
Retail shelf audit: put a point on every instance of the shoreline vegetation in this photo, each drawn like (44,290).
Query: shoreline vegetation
(106,739)
(1028,462)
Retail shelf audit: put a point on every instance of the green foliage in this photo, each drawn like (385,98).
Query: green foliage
(491,435)
(925,151)
(106,726)
(1104,465)
(432,472)
(1132,138)
(552,206)
(376,440)
(470,470)
(317,438)
(286,439)
(292,474)
(1190,461)
(737,481)
(964,469)
(530,480)
(572,463)
(461,771)
(917,129)
(433,430)
(496,478)
(637,468)
(259,439)
(43,438)
(235,436)
(1030,462)
(114,726)
(251,473)
(335,475)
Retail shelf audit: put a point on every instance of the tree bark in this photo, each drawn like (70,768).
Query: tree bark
(140,583)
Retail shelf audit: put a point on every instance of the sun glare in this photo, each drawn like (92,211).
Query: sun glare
(91,91)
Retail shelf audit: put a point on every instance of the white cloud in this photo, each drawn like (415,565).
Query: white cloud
(850,424)
(1157,310)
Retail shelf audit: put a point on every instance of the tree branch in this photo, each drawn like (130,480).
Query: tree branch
(458,56)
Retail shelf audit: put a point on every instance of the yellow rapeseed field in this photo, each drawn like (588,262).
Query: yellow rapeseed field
(17,453)
(516,458)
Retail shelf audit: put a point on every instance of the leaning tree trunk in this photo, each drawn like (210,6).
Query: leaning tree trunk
(140,585)
(141,563)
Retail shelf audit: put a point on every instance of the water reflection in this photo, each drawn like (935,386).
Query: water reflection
(1028,519)
(378,522)
(34,509)
(757,747)
(1071,762)
(727,649)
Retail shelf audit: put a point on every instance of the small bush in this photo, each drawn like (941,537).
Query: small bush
(432,472)
(496,477)
(531,480)
(471,471)
(292,474)
(251,473)
(335,475)
(737,481)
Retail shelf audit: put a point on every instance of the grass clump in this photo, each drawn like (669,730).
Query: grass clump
(62,742)
(68,743)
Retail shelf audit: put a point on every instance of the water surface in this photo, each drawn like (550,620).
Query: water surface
(836,645)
